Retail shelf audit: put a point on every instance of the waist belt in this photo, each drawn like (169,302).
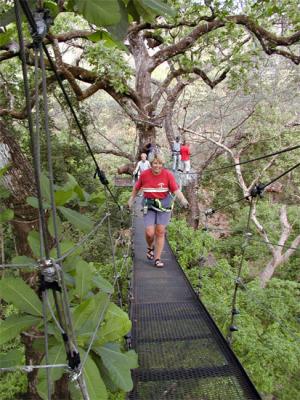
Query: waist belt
(156,205)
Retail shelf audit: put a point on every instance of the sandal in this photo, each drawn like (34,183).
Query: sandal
(150,253)
(158,263)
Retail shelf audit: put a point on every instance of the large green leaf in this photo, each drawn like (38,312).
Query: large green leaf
(6,215)
(118,364)
(56,355)
(63,196)
(103,284)
(23,260)
(86,316)
(72,184)
(45,187)
(51,226)
(11,359)
(33,202)
(13,325)
(119,30)
(160,7)
(116,325)
(83,279)
(10,15)
(80,221)
(93,380)
(65,246)
(4,193)
(33,239)
(98,12)
(15,291)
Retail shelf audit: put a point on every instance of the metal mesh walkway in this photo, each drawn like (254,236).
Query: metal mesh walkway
(182,354)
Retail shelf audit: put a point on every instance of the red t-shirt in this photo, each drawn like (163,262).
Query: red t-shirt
(156,186)
(185,152)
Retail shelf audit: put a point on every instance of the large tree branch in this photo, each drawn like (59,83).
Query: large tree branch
(261,230)
(22,114)
(98,150)
(268,40)
(293,247)
(61,38)
(207,80)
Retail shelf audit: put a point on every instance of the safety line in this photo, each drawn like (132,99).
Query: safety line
(113,254)
(100,173)
(232,328)
(251,238)
(253,159)
(101,317)
(256,190)
(30,368)
(83,240)
(281,323)
(44,249)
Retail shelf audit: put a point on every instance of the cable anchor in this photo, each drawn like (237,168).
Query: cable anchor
(43,20)
(209,211)
(257,190)
(49,278)
(233,328)
(101,175)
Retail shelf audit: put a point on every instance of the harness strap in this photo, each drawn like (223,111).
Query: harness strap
(155,204)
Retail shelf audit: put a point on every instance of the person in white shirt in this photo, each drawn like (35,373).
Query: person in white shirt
(141,166)
(176,153)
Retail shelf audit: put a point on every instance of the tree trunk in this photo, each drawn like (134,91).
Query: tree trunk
(268,271)
(19,181)
(61,388)
(191,194)
(32,357)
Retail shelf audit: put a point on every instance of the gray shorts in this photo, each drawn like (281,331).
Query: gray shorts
(157,218)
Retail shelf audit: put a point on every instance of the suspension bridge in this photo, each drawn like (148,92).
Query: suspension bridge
(182,354)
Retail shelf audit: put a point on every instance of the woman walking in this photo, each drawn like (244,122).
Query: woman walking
(157,184)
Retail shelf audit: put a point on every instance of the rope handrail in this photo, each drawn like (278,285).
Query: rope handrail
(83,239)
(254,159)
(30,368)
(103,311)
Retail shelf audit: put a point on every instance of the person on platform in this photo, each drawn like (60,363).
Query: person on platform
(141,166)
(158,185)
(185,154)
(176,154)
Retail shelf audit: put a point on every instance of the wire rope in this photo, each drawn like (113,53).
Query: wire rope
(113,254)
(65,313)
(30,368)
(232,327)
(253,159)
(102,314)
(242,285)
(83,239)
(257,190)
(100,173)
(293,333)
(36,160)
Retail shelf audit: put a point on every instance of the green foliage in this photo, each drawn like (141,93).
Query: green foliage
(109,64)
(189,245)
(15,291)
(89,296)
(118,364)
(267,340)
(97,12)
(13,385)
(15,324)
(5,213)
